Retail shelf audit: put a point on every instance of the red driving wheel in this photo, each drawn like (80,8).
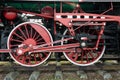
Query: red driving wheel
(30,34)
(86,56)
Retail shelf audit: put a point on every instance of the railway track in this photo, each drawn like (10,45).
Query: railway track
(51,71)
(69,68)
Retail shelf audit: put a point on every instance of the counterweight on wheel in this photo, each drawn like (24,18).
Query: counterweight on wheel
(26,35)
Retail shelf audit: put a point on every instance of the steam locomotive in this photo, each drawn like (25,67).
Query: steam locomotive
(31,31)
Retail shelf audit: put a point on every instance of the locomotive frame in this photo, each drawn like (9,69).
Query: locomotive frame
(83,42)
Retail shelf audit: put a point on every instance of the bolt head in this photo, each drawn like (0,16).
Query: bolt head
(19,52)
(83,44)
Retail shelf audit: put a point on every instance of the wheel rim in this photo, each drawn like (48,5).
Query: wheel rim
(30,34)
(85,57)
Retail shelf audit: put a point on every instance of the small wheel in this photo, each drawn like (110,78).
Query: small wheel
(30,34)
(84,57)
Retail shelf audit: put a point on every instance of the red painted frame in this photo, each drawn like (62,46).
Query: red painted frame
(67,20)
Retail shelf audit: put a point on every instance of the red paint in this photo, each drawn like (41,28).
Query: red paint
(39,42)
(10,15)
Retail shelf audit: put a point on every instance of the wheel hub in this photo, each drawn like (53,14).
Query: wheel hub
(30,42)
(23,49)
(82,39)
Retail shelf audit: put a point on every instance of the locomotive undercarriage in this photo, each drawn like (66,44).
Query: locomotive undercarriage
(82,37)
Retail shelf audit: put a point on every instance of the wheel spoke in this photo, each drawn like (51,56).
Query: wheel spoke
(26,31)
(37,37)
(82,57)
(34,35)
(91,55)
(16,40)
(18,57)
(40,56)
(31,32)
(18,36)
(45,54)
(76,57)
(35,57)
(86,54)
(29,35)
(85,57)
(24,59)
(22,33)
(15,45)
(71,55)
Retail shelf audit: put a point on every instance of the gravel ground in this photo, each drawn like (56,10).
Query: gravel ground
(94,76)
(2,75)
(115,75)
(23,76)
(80,75)
(91,75)
(70,76)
